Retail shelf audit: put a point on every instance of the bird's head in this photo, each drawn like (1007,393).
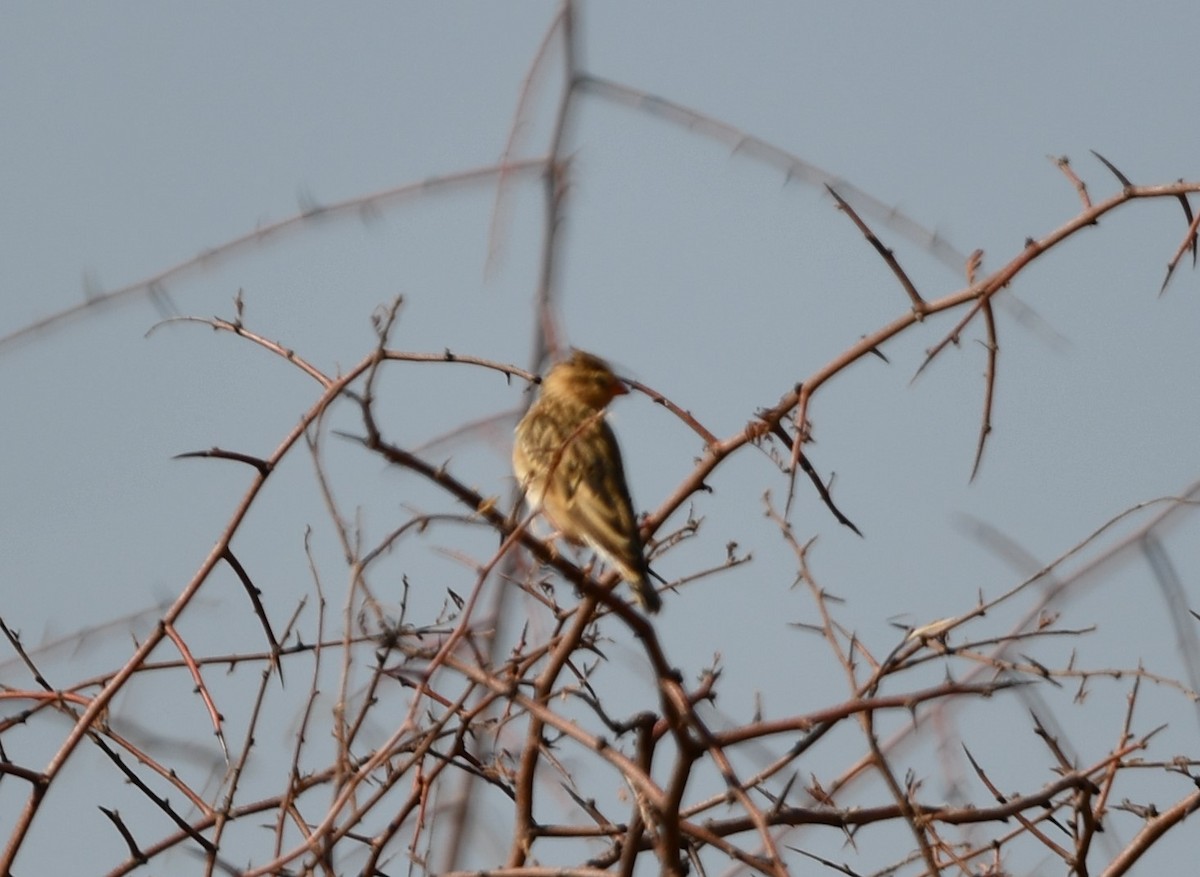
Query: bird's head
(584,378)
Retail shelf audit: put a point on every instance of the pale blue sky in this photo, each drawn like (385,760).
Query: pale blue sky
(137,135)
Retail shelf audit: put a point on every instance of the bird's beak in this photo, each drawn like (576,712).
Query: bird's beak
(620,388)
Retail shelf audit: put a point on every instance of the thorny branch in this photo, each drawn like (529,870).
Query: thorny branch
(440,724)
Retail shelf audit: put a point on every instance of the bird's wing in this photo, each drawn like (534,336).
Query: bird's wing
(599,505)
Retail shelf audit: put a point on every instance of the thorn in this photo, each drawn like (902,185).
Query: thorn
(1116,173)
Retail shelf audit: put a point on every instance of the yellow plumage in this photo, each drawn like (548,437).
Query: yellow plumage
(569,464)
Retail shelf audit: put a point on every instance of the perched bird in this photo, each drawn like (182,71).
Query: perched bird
(568,462)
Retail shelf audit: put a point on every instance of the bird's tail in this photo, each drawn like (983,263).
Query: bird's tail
(643,590)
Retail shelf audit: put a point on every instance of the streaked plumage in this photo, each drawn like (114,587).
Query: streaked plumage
(567,460)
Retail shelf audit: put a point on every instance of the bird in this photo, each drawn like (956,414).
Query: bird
(568,462)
